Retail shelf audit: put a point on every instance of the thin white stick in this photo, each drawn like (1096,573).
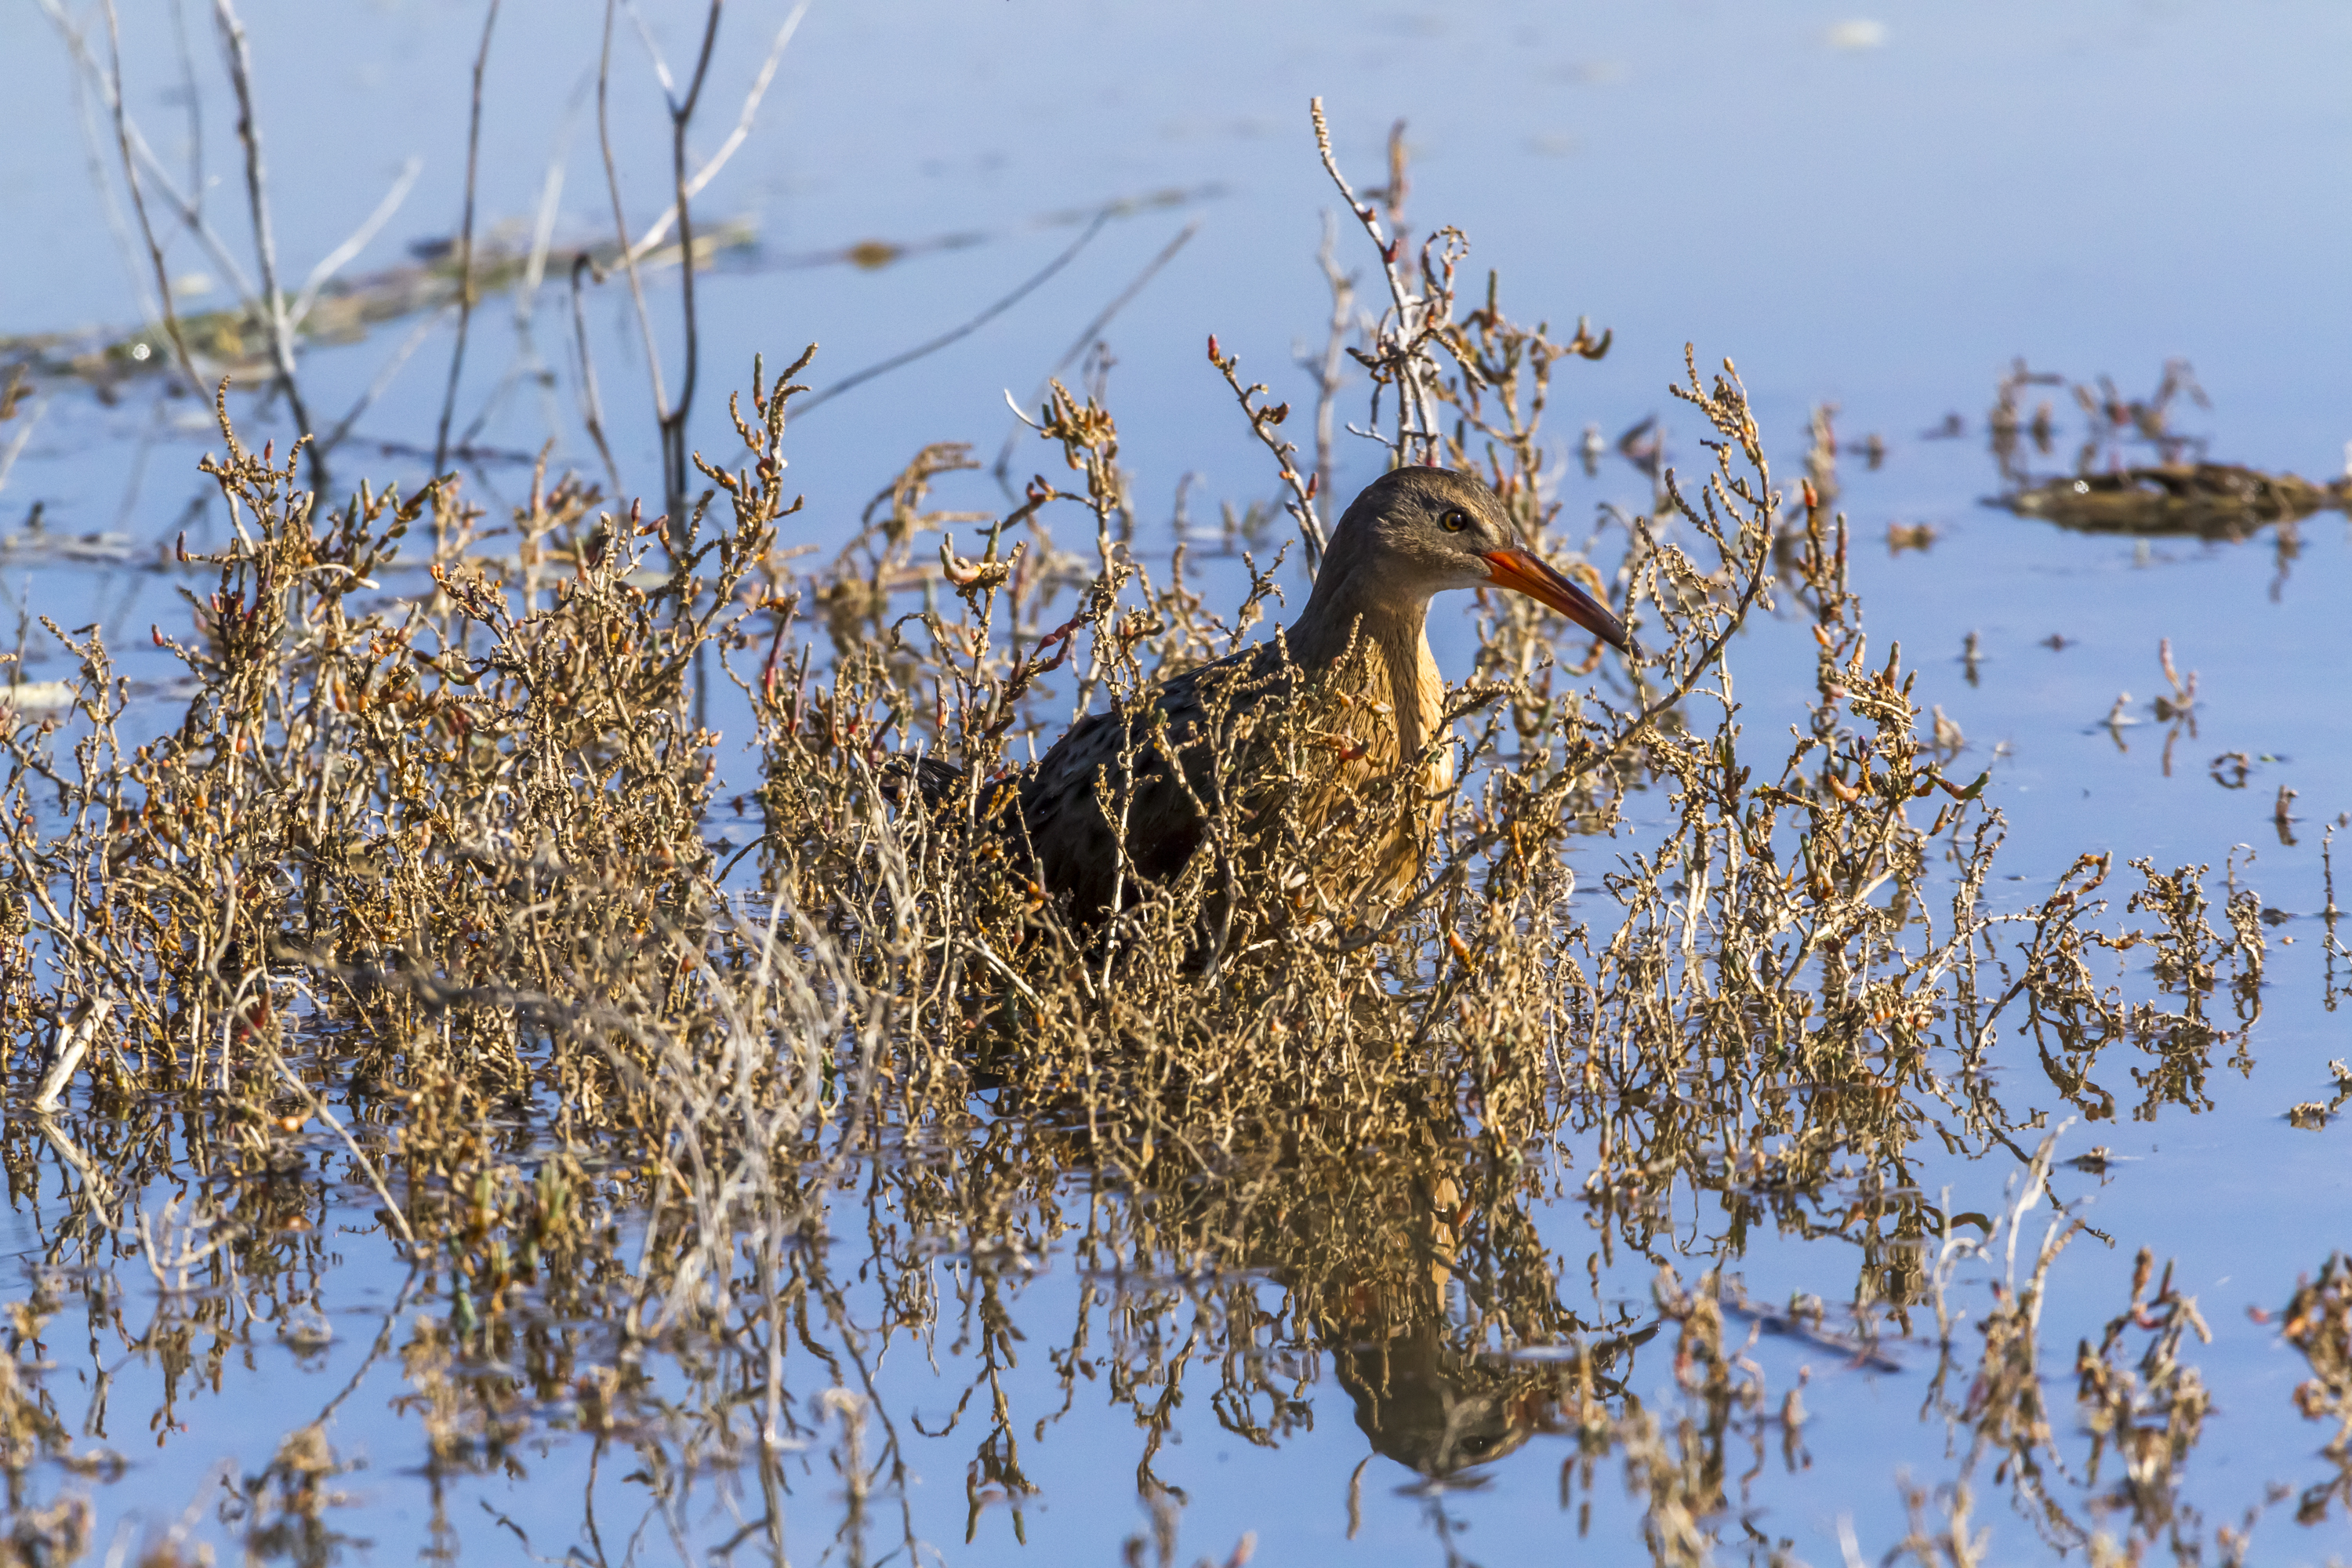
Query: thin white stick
(653,49)
(318,1105)
(94,1182)
(338,258)
(72,1045)
(24,435)
(661,227)
(543,238)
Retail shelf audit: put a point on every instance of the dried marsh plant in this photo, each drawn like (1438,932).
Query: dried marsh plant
(427,887)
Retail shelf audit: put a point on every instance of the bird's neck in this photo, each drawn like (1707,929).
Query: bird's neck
(1389,633)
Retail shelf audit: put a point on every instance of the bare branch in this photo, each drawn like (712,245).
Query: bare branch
(466,242)
(620,220)
(264,242)
(660,227)
(335,260)
(673,425)
(170,317)
(190,212)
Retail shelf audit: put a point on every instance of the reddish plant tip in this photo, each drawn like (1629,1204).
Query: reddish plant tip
(1813,498)
(1214,357)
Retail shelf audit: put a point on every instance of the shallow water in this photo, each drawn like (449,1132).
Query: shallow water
(1877,220)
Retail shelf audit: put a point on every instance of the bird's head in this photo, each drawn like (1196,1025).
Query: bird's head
(1417,532)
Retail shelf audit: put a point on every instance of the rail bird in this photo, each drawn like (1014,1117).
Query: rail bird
(1361,646)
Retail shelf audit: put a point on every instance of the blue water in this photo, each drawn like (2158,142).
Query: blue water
(1881,220)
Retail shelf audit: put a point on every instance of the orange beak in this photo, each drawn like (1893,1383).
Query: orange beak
(1528,574)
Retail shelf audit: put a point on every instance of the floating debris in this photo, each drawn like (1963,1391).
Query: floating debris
(38,696)
(37,547)
(2212,501)
(235,339)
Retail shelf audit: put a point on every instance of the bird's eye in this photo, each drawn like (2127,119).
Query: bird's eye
(1453,519)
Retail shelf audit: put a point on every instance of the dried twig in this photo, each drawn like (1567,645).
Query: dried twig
(466,242)
(265,243)
(656,231)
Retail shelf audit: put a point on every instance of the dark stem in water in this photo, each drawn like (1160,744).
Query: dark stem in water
(672,424)
(466,244)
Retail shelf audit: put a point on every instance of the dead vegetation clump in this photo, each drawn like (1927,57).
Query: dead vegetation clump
(453,830)
(2179,492)
(2148,1413)
(2317,1322)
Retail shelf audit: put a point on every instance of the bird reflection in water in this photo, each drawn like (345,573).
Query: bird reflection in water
(1424,1394)
(1419,1276)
